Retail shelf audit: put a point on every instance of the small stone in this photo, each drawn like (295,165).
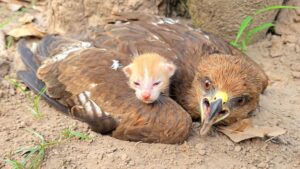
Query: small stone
(22,124)
(124,157)
(12,91)
(276,51)
(289,38)
(296,75)
(237,148)
(4,67)
(296,67)
(200,146)
(202,152)
(262,165)
(131,163)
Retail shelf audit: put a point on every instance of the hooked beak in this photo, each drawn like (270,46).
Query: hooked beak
(213,110)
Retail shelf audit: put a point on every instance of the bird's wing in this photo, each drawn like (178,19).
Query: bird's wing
(85,82)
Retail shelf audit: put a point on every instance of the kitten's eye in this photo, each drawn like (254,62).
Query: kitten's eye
(136,83)
(157,83)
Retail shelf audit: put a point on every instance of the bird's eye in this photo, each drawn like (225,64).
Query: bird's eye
(240,101)
(156,83)
(207,84)
(136,83)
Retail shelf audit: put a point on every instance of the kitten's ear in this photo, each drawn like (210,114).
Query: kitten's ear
(171,68)
(127,70)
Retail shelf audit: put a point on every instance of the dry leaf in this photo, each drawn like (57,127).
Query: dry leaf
(244,130)
(26,30)
(15,5)
(26,18)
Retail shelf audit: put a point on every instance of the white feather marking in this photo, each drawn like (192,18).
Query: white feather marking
(116,64)
(97,108)
(34,47)
(198,30)
(88,94)
(107,114)
(155,37)
(82,98)
(93,85)
(170,21)
(206,36)
(153,23)
(88,107)
(65,53)
(160,22)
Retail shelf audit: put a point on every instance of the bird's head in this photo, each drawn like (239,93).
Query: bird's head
(227,89)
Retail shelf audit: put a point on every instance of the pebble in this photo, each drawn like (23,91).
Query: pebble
(12,91)
(131,163)
(4,67)
(296,75)
(289,38)
(202,152)
(200,146)
(237,148)
(296,67)
(262,165)
(124,157)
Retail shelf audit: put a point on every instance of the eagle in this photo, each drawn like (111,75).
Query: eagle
(214,82)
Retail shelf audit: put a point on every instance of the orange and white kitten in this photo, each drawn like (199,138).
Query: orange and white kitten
(149,75)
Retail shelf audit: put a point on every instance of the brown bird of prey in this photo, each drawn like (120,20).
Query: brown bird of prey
(213,83)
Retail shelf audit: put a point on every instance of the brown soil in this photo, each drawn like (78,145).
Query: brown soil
(279,106)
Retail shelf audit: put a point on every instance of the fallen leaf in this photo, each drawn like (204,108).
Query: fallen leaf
(26,30)
(15,5)
(243,130)
(26,18)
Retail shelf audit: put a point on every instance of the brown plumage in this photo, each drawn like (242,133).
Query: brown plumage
(212,79)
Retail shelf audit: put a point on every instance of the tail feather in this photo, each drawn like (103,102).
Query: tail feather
(29,76)
(30,79)
(27,56)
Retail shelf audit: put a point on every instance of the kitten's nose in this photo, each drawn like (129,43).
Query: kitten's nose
(146,95)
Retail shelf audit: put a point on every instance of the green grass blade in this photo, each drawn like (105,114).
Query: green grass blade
(14,164)
(68,133)
(244,24)
(255,30)
(270,8)
(9,42)
(37,135)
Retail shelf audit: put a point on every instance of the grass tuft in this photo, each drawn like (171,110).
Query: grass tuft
(245,34)
(69,133)
(34,99)
(32,156)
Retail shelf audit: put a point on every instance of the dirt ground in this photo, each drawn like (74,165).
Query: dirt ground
(279,106)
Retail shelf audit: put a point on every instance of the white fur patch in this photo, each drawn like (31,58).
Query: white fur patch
(65,52)
(116,64)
